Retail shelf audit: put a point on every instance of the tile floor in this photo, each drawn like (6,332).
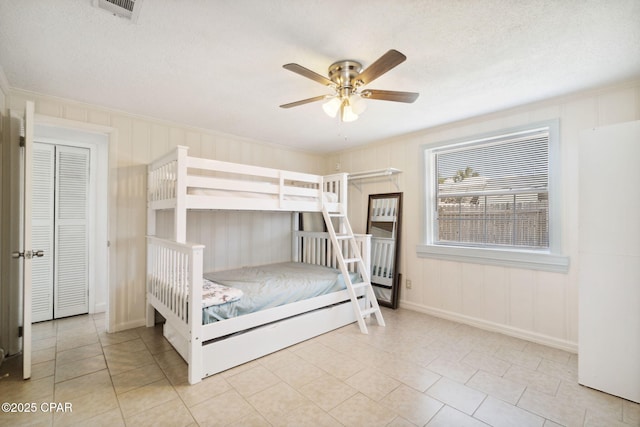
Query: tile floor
(417,371)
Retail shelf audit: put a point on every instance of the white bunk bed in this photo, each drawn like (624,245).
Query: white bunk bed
(179,182)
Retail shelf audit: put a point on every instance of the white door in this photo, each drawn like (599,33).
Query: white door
(609,270)
(25,252)
(60,228)
(42,227)
(71,252)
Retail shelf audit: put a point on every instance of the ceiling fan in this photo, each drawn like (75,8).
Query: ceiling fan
(346,78)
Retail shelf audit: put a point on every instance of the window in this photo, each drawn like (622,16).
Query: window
(495,199)
(494,193)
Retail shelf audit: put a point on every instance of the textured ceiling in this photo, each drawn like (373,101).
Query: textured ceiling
(218,64)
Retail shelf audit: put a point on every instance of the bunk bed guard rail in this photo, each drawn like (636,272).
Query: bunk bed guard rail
(172,270)
(174,176)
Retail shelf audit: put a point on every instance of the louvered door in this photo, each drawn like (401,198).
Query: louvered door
(42,228)
(71,232)
(60,227)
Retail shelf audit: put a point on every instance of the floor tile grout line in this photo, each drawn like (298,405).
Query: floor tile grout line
(476,410)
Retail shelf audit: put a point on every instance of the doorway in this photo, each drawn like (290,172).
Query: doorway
(78,267)
(20,129)
(60,230)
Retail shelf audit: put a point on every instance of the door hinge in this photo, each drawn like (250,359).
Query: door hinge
(22,141)
(19,331)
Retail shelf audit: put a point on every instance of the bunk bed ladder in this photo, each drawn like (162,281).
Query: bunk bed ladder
(345,233)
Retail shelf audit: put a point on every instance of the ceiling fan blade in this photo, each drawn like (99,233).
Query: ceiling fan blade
(383,64)
(305,72)
(304,101)
(390,95)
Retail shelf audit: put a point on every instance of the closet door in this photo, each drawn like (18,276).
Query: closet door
(609,266)
(71,229)
(42,232)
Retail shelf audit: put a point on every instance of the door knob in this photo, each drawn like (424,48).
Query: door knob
(27,254)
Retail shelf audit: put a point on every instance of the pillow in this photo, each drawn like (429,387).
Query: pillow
(217,294)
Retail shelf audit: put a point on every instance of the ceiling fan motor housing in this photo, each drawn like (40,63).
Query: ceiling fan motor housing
(343,74)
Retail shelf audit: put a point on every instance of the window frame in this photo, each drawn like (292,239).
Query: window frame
(547,259)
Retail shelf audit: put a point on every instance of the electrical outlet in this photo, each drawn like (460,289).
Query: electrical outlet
(338,166)
(408,284)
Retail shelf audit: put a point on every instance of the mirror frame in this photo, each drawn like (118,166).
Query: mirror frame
(396,280)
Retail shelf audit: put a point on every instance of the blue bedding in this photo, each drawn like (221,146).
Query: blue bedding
(272,285)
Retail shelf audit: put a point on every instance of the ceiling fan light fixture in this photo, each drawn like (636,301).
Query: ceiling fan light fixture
(347,114)
(332,106)
(358,104)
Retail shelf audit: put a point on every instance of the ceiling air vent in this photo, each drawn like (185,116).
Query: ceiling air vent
(127,9)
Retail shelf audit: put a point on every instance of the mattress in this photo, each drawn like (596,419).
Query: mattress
(272,285)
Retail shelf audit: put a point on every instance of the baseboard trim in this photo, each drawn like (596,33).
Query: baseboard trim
(570,346)
(99,308)
(130,325)
(535,337)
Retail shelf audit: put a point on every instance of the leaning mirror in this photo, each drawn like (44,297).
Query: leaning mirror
(383,223)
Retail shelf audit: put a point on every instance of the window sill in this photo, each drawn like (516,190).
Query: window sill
(531,260)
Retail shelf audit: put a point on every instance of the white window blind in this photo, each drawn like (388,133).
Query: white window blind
(494,192)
